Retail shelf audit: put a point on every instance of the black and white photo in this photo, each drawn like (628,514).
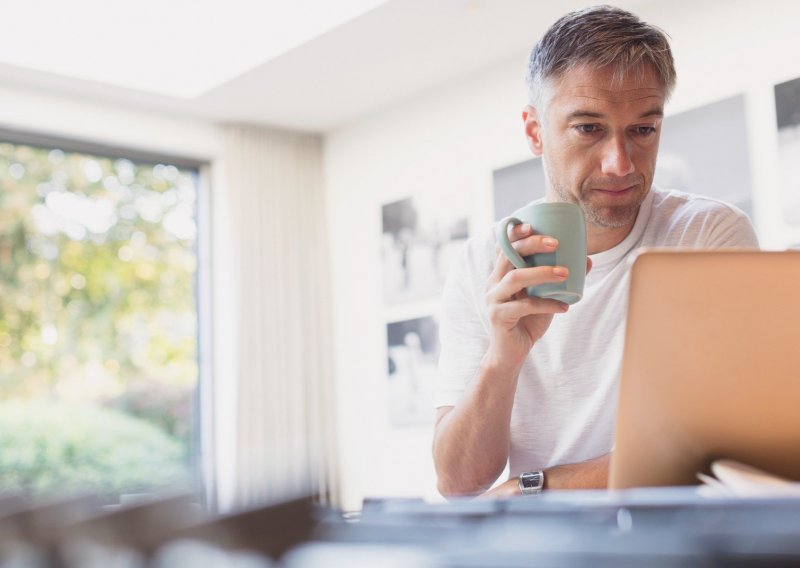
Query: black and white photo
(413,348)
(787,109)
(420,236)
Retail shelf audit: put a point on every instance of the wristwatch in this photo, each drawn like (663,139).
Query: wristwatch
(531,482)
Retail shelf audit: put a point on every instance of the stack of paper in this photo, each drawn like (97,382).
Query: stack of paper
(734,479)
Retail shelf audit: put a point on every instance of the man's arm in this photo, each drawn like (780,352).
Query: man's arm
(590,474)
(472,438)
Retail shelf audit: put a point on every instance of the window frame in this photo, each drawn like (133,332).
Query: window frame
(202,447)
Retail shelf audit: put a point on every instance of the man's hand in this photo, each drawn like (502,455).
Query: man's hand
(517,320)
(591,474)
(471,440)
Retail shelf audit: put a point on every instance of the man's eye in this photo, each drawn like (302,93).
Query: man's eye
(587,128)
(645,130)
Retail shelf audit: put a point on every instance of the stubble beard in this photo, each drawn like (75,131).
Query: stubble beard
(605,216)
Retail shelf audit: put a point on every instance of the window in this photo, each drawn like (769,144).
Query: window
(98,321)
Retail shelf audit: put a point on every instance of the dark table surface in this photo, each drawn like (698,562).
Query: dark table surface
(645,527)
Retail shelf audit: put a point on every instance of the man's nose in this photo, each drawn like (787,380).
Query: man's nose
(617,157)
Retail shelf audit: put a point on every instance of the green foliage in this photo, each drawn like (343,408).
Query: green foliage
(97,306)
(97,271)
(49,447)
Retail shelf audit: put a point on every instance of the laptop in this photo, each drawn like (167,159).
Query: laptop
(711,366)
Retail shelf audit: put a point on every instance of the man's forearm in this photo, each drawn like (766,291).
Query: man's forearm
(471,441)
(589,474)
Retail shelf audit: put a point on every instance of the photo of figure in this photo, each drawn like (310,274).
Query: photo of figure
(420,236)
(787,109)
(413,349)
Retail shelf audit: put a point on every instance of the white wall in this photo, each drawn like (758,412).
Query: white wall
(104,123)
(455,137)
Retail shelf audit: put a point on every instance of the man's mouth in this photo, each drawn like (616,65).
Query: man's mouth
(616,192)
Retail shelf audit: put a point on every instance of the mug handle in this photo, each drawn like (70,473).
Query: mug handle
(505,245)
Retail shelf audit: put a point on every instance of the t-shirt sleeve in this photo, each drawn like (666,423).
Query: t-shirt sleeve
(733,230)
(463,337)
(703,222)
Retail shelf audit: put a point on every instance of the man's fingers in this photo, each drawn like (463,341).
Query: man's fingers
(508,314)
(535,244)
(516,280)
(501,266)
(517,232)
(588,265)
(532,244)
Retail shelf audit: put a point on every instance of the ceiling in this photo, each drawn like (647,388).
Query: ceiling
(296,64)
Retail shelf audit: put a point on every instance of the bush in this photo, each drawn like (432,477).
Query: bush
(57,447)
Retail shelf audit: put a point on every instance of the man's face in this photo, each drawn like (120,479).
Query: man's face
(599,140)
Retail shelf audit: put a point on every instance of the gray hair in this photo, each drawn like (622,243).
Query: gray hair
(600,36)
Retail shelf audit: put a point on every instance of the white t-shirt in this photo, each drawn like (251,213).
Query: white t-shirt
(565,405)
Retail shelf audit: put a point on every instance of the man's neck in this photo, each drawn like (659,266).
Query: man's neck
(599,239)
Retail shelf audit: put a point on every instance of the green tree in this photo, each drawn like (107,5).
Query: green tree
(97,284)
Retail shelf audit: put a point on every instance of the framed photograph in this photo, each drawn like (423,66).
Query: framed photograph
(420,237)
(413,350)
(787,109)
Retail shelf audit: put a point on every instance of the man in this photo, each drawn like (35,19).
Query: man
(532,383)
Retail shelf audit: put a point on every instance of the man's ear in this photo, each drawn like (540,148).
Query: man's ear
(533,129)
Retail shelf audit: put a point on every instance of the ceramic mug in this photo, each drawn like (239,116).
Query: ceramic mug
(564,222)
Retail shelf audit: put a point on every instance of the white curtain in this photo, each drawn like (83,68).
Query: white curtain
(273,377)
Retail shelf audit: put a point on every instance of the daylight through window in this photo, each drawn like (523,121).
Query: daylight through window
(98,323)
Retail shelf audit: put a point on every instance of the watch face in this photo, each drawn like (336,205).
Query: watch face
(532,480)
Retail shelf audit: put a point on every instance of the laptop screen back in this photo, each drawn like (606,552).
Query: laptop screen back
(711,366)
